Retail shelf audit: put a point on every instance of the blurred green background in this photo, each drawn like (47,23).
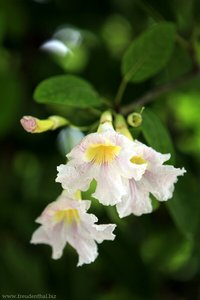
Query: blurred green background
(155,256)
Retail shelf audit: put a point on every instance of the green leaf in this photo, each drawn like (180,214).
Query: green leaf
(156,135)
(178,254)
(149,53)
(67,90)
(184,207)
(184,14)
(179,64)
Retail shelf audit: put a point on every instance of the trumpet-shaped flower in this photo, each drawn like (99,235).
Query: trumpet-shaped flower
(66,221)
(158,180)
(103,156)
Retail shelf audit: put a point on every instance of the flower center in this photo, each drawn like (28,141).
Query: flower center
(68,216)
(138,160)
(102,153)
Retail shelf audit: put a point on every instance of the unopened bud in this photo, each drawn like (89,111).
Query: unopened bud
(35,125)
(29,123)
(58,121)
(134,119)
(105,121)
(121,127)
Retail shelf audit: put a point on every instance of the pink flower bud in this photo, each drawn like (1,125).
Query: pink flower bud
(29,123)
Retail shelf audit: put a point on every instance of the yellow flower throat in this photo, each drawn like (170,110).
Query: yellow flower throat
(67,216)
(138,160)
(102,153)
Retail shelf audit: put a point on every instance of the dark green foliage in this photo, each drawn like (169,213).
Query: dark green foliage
(184,208)
(155,256)
(149,53)
(67,90)
(156,134)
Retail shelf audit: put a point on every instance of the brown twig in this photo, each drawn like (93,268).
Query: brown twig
(154,93)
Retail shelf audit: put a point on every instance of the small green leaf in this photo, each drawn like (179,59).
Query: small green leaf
(156,135)
(149,53)
(67,90)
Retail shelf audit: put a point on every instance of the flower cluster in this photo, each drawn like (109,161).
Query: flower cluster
(126,172)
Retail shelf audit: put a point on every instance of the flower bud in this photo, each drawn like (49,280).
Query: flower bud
(134,119)
(105,122)
(35,125)
(29,123)
(121,126)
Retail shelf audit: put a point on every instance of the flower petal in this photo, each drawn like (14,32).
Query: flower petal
(73,179)
(160,181)
(40,236)
(109,188)
(84,245)
(54,238)
(104,232)
(66,221)
(157,179)
(151,155)
(136,201)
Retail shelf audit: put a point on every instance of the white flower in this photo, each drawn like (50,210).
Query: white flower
(158,180)
(103,156)
(67,221)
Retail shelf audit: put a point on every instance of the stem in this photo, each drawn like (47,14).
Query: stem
(182,42)
(107,102)
(150,10)
(120,91)
(164,88)
(94,111)
(154,93)
(125,81)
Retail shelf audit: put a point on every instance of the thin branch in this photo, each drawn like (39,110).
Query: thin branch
(154,93)
(120,91)
(124,82)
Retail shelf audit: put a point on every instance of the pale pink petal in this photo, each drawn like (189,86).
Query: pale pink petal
(80,232)
(54,239)
(83,237)
(157,179)
(130,170)
(104,232)
(73,179)
(58,240)
(160,181)
(85,247)
(40,236)
(136,201)
(109,188)
(151,155)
